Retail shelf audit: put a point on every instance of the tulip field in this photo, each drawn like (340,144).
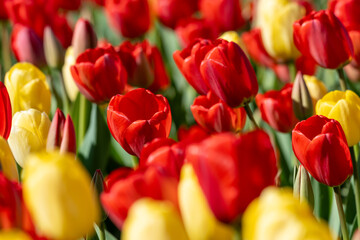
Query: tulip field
(179,119)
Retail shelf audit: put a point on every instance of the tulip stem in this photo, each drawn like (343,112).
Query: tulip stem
(82,119)
(344,230)
(6,57)
(250,115)
(356,183)
(102,231)
(342,79)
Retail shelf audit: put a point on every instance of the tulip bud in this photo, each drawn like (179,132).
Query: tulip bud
(7,162)
(150,219)
(61,134)
(28,133)
(27,88)
(57,187)
(54,52)
(99,185)
(317,88)
(27,46)
(302,187)
(5,112)
(84,37)
(301,99)
(69,82)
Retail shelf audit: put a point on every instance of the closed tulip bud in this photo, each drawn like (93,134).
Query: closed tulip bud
(301,99)
(99,185)
(5,112)
(61,134)
(84,37)
(46,175)
(216,116)
(229,74)
(277,215)
(133,123)
(27,46)
(54,52)
(14,235)
(153,220)
(29,132)
(27,88)
(302,187)
(276,108)
(343,107)
(99,74)
(69,82)
(321,36)
(199,220)
(317,89)
(320,145)
(7,162)
(275,19)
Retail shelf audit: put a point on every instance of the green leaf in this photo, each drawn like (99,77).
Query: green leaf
(322,197)
(108,235)
(120,155)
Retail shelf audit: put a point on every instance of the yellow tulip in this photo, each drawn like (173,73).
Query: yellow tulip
(200,223)
(153,220)
(345,108)
(28,133)
(275,18)
(317,88)
(70,86)
(277,215)
(14,235)
(7,161)
(57,191)
(27,88)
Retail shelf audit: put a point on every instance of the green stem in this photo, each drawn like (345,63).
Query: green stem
(250,115)
(342,79)
(356,183)
(292,71)
(64,97)
(6,55)
(82,119)
(339,205)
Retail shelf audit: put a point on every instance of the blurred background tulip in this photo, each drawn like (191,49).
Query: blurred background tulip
(27,88)
(54,52)
(5,112)
(14,235)
(84,37)
(7,162)
(29,132)
(69,82)
(74,210)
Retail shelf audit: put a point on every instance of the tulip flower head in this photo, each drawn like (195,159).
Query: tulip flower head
(320,145)
(138,117)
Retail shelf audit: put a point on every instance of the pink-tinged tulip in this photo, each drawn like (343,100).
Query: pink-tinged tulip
(276,108)
(5,112)
(347,11)
(233,171)
(27,46)
(320,145)
(130,17)
(189,60)
(171,11)
(144,65)
(126,186)
(61,133)
(84,37)
(137,118)
(225,15)
(99,74)
(321,36)
(189,29)
(229,74)
(215,115)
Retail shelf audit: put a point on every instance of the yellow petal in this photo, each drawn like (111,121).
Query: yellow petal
(70,86)
(7,161)
(14,235)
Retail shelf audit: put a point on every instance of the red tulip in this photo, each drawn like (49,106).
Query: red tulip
(61,29)
(27,46)
(225,15)
(229,74)
(191,28)
(130,17)
(216,116)
(320,145)
(66,4)
(189,61)
(305,65)
(194,134)
(99,74)
(5,112)
(144,65)
(321,36)
(347,11)
(137,118)
(233,171)
(3,13)
(276,108)
(355,38)
(61,133)
(171,11)
(126,186)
